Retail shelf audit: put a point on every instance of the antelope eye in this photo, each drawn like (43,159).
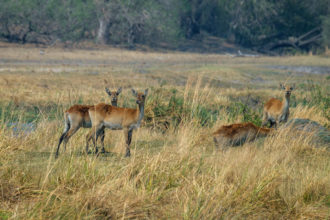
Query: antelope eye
(143,96)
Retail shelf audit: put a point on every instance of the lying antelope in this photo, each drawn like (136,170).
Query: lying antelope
(107,116)
(276,111)
(77,116)
(238,134)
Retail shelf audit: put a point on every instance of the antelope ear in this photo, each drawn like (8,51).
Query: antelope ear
(107,91)
(146,92)
(134,92)
(119,91)
(282,86)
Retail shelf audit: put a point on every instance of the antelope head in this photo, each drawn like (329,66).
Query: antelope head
(287,89)
(113,95)
(140,96)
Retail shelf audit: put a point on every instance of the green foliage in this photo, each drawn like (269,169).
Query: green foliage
(298,17)
(72,16)
(250,23)
(4,215)
(163,115)
(171,111)
(319,97)
(142,21)
(10,112)
(327,201)
(239,109)
(19,112)
(41,21)
(326,30)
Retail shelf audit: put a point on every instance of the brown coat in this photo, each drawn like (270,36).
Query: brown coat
(107,116)
(237,134)
(277,111)
(113,117)
(77,116)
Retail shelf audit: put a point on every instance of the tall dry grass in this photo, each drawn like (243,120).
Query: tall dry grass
(174,171)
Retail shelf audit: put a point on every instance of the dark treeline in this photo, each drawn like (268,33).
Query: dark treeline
(262,25)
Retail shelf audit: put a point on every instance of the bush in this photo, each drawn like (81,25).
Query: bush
(326,30)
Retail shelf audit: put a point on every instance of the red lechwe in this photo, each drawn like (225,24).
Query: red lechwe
(275,110)
(238,134)
(107,116)
(77,116)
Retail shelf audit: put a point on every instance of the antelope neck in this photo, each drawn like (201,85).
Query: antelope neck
(286,101)
(141,112)
(286,104)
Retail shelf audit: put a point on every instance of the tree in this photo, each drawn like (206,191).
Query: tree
(326,27)
(107,12)
(262,25)
(38,21)
(133,21)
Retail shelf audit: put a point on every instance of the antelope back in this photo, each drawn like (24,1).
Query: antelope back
(78,114)
(230,131)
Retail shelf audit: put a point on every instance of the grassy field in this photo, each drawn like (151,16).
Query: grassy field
(174,172)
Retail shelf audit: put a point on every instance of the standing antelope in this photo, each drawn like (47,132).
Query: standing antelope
(107,116)
(77,116)
(276,111)
(237,134)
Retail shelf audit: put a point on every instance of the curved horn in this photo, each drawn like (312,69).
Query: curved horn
(119,91)
(134,92)
(107,91)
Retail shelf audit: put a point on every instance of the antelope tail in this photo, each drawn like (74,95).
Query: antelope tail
(67,123)
(66,129)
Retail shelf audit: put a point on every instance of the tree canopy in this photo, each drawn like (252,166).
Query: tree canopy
(263,25)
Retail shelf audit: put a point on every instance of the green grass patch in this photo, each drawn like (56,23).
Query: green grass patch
(4,215)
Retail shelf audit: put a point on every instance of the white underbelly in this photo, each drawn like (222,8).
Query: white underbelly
(134,126)
(113,126)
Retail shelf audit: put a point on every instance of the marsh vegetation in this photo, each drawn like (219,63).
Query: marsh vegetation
(174,171)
